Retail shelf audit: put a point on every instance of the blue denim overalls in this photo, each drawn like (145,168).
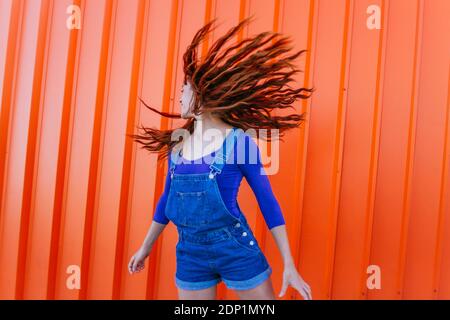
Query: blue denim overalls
(213,244)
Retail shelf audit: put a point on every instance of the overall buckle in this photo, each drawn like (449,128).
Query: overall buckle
(214,170)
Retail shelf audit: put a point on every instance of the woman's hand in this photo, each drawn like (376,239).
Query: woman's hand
(137,261)
(293,278)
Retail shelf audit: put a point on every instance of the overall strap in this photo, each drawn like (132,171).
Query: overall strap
(173,160)
(220,158)
(223,153)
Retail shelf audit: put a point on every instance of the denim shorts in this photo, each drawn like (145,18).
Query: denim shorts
(231,254)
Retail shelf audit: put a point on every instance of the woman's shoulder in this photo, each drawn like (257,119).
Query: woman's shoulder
(246,148)
(174,150)
(245,139)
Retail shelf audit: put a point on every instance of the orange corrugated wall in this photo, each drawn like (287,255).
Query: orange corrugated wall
(364,182)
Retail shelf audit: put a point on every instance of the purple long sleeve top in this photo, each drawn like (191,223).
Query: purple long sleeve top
(230,179)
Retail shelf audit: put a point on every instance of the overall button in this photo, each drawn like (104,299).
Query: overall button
(237,225)
(244,234)
(252,243)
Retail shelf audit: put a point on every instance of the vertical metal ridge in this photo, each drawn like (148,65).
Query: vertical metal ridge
(124,203)
(69,89)
(28,187)
(104,74)
(175,20)
(302,151)
(410,148)
(374,154)
(243,12)
(338,146)
(15,35)
(208,16)
(442,200)
(11,57)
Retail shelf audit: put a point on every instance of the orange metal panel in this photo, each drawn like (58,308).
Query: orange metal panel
(18,169)
(360,150)
(317,239)
(127,287)
(396,149)
(49,156)
(442,272)
(365,181)
(82,144)
(425,243)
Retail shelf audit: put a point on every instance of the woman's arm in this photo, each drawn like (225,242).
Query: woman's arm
(160,215)
(153,233)
(248,158)
(290,274)
(137,261)
(280,235)
(159,222)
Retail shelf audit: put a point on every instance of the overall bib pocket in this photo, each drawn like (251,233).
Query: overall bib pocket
(192,208)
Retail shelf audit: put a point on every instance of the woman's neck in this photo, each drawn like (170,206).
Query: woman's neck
(206,122)
(199,142)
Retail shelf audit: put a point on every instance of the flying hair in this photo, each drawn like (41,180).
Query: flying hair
(241,83)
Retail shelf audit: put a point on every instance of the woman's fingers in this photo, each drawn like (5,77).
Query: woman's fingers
(308,292)
(283,288)
(130,265)
(299,289)
(305,294)
(135,262)
(303,290)
(139,265)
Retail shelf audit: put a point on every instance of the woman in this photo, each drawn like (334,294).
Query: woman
(229,91)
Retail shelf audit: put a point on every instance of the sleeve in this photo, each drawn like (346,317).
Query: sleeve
(256,177)
(159,215)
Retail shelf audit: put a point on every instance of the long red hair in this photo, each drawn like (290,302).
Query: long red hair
(240,84)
